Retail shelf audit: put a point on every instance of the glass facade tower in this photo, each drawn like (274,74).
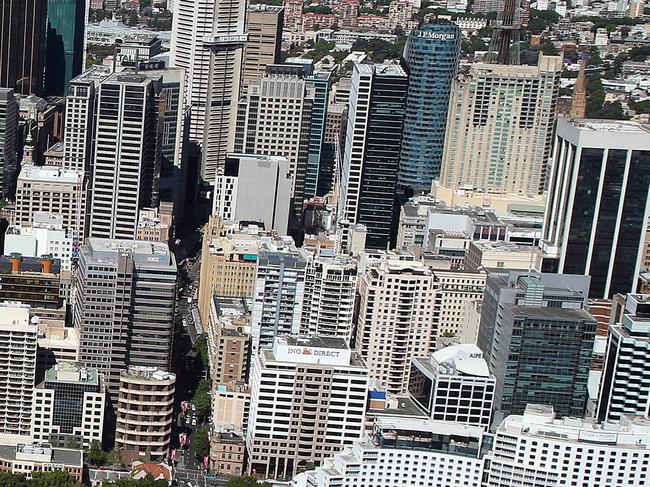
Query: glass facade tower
(431,60)
(65,44)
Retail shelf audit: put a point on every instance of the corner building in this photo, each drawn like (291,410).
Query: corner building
(308,400)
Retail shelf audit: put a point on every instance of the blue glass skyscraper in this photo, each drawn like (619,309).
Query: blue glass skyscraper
(431,60)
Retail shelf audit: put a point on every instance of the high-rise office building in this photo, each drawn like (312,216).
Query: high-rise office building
(313,173)
(431,60)
(80,118)
(395,319)
(65,57)
(22,45)
(264,25)
(208,42)
(454,384)
(275,119)
(597,206)
(330,288)
(538,340)
(308,400)
(8,135)
(625,383)
(18,336)
(136,326)
(279,292)
(500,126)
(69,406)
(254,188)
(126,156)
(371,155)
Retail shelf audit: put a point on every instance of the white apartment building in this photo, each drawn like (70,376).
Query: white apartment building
(53,190)
(538,450)
(46,236)
(18,341)
(69,404)
(126,155)
(330,289)
(279,292)
(208,42)
(625,384)
(308,400)
(254,188)
(403,452)
(395,321)
(454,384)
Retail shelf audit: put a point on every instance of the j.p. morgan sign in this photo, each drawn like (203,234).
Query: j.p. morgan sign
(439,36)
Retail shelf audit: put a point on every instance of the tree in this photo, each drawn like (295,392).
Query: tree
(246,481)
(202,399)
(56,478)
(549,49)
(95,455)
(201,443)
(8,479)
(148,481)
(201,347)
(640,106)
(319,9)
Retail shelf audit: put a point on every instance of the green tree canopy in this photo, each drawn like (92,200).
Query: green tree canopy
(201,442)
(202,399)
(246,481)
(148,481)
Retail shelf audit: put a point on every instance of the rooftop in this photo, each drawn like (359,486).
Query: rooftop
(63,456)
(27,264)
(144,252)
(540,421)
(93,74)
(50,174)
(71,372)
(463,359)
(595,125)
(547,313)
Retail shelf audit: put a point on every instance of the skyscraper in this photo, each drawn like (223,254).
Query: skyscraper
(321,85)
(208,42)
(625,383)
(66,20)
(372,144)
(275,119)
(22,45)
(431,60)
(264,25)
(500,127)
(126,156)
(538,340)
(395,321)
(597,206)
(80,118)
(8,149)
(135,327)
